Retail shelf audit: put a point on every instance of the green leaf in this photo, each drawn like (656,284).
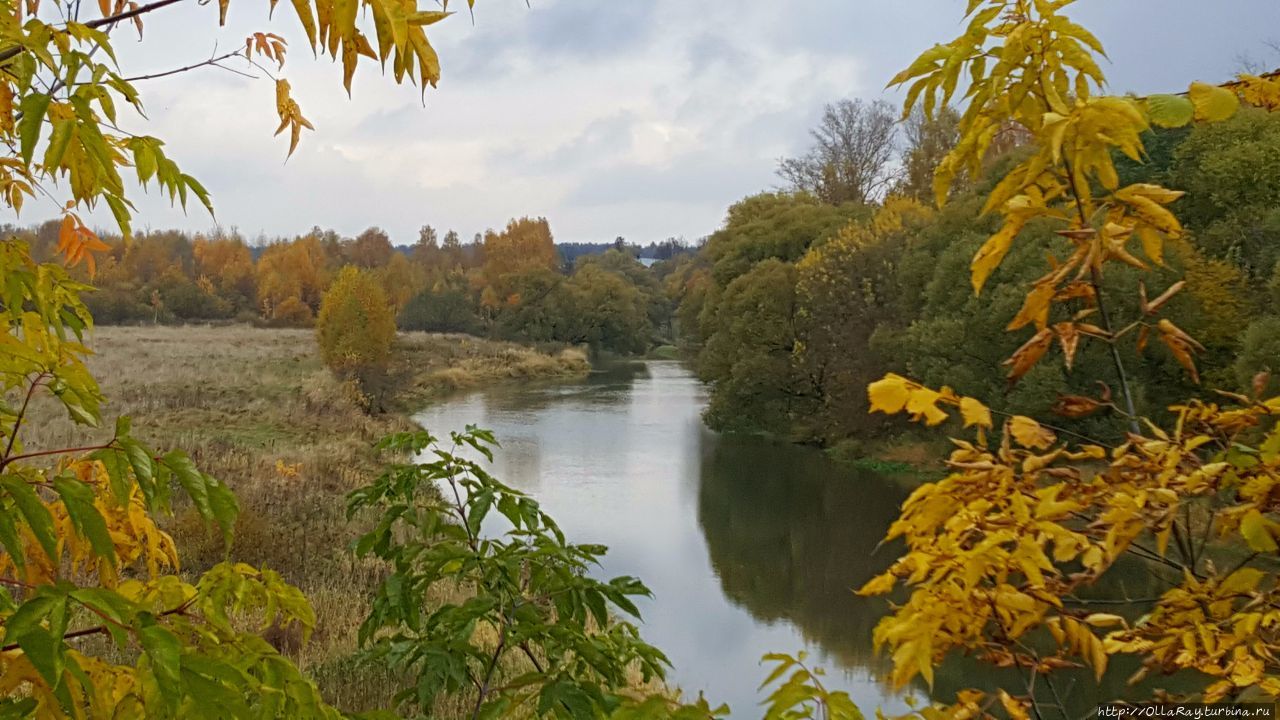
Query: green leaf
(45,653)
(10,541)
(33,109)
(191,479)
(225,509)
(34,512)
(78,498)
(165,652)
(58,139)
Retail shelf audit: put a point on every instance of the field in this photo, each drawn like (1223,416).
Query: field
(255,408)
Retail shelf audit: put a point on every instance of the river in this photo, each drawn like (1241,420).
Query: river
(748,546)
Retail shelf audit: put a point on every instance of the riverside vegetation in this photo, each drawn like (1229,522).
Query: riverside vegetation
(99,620)
(257,409)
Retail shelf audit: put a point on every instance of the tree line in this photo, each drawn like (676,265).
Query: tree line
(806,295)
(514,283)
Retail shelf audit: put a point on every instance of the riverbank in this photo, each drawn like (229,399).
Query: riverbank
(255,408)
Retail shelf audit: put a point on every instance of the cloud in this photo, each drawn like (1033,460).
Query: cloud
(641,118)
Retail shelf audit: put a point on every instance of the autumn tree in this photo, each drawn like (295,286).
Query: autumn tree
(524,244)
(849,161)
(228,264)
(1004,556)
(356,327)
(292,278)
(370,249)
(927,141)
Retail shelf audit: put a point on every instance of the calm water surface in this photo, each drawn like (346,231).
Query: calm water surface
(748,546)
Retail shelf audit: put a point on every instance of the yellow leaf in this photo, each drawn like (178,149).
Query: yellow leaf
(922,402)
(1031,434)
(1169,111)
(1104,620)
(889,394)
(1212,103)
(878,585)
(1256,531)
(1035,308)
(975,413)
(994,249)
(1016,709)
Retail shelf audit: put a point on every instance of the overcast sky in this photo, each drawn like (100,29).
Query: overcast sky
(639,118)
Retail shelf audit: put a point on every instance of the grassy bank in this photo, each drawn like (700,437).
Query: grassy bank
(255,408)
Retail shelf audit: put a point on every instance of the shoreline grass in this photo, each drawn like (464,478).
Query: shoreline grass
(255,408)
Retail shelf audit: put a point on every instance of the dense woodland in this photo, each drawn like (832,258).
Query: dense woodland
(804,297)
(515,284)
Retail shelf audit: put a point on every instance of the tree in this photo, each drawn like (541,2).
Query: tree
(445,307)
(83,556)
(371,249)
(853,147)
(228,264)
(749,355)
(355,328)
(928,140)
(846,290)
(1003,556)
(525,244)
(292,278)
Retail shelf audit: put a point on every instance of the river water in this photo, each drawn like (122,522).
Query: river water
(748,546)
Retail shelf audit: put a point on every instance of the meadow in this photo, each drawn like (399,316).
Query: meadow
(256,408)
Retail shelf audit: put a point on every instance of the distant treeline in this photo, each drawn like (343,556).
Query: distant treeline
(510,284)
(804,297)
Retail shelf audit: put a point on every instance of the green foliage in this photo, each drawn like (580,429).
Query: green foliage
(1233,191)
(750,353)
(1259,353)
(902,302)
(444,308)
(801,695)
(535,632)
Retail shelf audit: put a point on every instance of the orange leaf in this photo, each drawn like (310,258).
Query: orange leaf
(1025,357)
(1076,406)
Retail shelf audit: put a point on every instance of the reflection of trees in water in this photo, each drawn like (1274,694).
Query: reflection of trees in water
(790,535)
(605,386)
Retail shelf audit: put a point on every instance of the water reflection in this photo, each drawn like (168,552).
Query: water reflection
(789,534)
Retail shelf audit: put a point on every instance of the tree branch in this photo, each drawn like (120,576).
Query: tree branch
(11,52)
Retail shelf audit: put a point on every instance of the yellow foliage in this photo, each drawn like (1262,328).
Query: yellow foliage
(355,328)
(1000,547)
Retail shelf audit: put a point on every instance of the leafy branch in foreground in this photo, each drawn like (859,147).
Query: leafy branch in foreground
(533,632)
(1005,554)
(94,620)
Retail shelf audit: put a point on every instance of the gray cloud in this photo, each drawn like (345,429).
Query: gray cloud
(642,118)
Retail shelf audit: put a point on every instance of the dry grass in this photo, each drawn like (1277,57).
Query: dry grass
(255,408)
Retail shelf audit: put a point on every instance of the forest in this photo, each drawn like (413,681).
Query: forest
(516,284)
(225,490)
(806,296)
